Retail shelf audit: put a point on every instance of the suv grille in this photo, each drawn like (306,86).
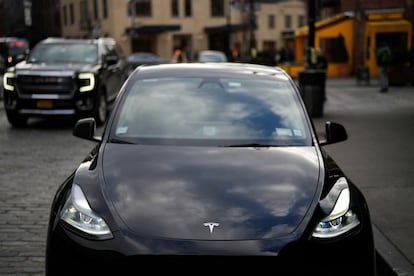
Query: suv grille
(31,85)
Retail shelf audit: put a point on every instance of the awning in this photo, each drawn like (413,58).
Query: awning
(385,14)
(228,28)
(390,26)
(152,29)
(288,34)
(303,31)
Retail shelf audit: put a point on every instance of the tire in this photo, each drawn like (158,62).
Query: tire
(16,120)
(100,112)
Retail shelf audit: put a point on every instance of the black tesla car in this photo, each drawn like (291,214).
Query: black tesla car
(209,168)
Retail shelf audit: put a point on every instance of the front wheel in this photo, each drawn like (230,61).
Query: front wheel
(16,120)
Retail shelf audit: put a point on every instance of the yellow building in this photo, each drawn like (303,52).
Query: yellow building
(335,36)
(388,26)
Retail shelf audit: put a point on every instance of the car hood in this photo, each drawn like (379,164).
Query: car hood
(35,68)
(210,193)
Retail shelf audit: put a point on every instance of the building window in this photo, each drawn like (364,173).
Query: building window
(188,9)
(83,11)
(271,22)
(105,8)
(71,14)
(301,21)
(217,8)
(288,21)
(143,7)
(65,16)
(174,8)
(95,9)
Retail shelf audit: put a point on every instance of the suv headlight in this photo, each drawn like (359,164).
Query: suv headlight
(341,218)
(87,82)
(79,214)
(8,81)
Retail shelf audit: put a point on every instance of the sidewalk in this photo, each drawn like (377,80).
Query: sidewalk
(348,100)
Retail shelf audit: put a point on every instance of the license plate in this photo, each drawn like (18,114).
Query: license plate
(44,104)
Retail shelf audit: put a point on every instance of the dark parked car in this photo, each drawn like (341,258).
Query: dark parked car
(65,77)
(12,51)
(209,167)
(211,56)
(140,58)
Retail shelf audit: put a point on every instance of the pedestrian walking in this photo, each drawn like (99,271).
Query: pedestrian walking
(322,64)
(179,56)
(383,58)
(321,60)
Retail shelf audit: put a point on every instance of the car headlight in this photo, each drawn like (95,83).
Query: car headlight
(8,81)
(79,214)
(87,82)
(341,219)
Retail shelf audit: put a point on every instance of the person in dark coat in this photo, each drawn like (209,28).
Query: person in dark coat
(383,58)
(321,60)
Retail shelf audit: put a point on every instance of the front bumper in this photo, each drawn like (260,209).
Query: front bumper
(49,106)
(353,255)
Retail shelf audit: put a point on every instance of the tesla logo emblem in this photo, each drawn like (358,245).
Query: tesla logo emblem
(211,225)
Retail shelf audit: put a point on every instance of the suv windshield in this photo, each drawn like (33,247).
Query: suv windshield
(64,53)
(205,111)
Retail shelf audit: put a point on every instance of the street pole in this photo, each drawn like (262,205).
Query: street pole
(130,11)
(311,60)
(228,28)
(252,26)
(311,79)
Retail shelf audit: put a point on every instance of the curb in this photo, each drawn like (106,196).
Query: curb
(390,260)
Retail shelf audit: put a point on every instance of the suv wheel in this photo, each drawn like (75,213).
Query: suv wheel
(101,109)
(16,120)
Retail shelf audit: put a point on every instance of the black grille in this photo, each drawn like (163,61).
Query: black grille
(29,85)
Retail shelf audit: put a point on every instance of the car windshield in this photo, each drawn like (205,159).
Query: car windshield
(211,111)
(55,53)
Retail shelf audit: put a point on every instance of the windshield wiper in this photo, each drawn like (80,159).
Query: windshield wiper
(251,145)
(119,141)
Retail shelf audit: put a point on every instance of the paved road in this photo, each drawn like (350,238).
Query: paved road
(33,162)
(379,155)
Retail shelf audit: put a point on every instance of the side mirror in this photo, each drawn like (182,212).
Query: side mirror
(111,60)
(20,58)
(85,128)
(334,133)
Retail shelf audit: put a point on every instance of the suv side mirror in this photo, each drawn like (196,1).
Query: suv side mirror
(85,128)
(111,60)
(334,133)
(20,57)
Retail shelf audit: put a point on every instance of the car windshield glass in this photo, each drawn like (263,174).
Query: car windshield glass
(64,53)
(211,111)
